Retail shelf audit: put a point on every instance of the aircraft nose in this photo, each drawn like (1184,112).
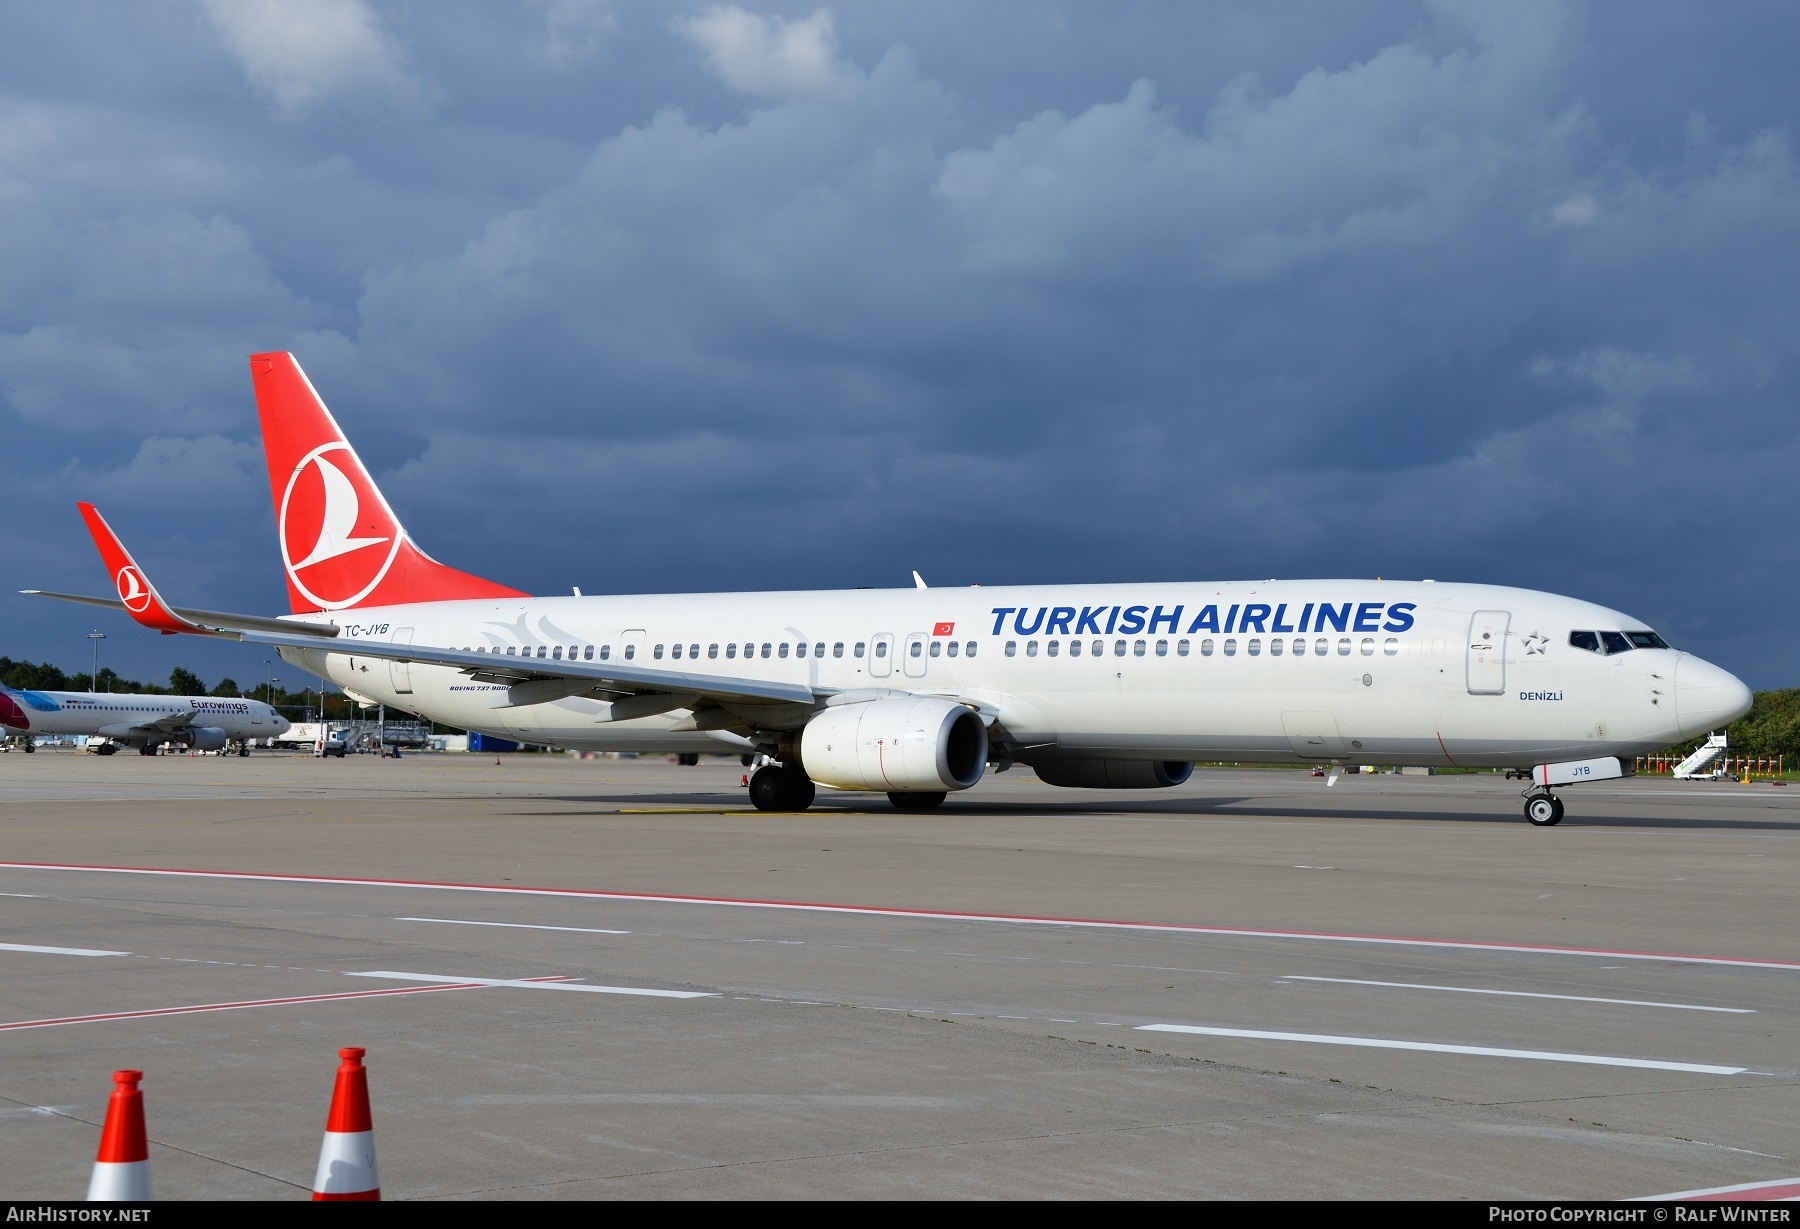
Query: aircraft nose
(1706,697)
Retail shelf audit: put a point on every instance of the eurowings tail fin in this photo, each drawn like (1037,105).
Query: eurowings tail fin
(341,545)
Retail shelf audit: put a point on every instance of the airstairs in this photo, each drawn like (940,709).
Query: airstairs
(1694,766)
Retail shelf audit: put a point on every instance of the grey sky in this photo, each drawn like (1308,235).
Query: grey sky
(647,297)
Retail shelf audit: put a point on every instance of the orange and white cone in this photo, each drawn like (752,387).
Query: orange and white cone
(122,1166)
(347,1161)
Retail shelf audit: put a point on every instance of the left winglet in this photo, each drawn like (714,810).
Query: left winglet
(140,597)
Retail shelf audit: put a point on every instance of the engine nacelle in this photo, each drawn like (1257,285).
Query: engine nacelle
(1114,774)
(904,745)
(205,738)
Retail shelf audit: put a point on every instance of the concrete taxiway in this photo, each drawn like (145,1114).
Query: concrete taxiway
(597,978)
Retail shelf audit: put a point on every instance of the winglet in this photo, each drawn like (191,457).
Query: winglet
(141,599)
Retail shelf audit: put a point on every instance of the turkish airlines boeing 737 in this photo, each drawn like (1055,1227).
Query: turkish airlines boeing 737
(916,692)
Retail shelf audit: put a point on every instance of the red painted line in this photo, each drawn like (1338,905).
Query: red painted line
(1446,751)
(939,915)
(1786,1188)
(241,1004)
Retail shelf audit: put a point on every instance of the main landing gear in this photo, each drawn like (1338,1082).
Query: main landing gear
(777,787)
(1543,809)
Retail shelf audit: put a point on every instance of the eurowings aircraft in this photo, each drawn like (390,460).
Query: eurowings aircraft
(917,692)
(200,723)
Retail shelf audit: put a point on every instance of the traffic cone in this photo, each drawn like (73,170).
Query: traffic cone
(122,1166)
(347,1160)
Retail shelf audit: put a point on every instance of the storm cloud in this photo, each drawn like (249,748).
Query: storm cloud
(641,297)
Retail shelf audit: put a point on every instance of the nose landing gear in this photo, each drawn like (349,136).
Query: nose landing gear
(1543,809)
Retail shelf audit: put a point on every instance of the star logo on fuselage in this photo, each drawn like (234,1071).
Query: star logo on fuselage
(1535,644)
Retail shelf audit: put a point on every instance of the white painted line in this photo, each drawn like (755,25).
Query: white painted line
(930,915)
(1523,994)
(1784,1189)
(393,975)
(23,895)
(1434,1047)
(456,921)
(57,951)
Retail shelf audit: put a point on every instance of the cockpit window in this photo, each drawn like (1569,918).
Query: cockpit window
(1615,642)
(1647,640)
(1584,640)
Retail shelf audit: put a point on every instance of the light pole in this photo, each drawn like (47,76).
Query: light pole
(94,679)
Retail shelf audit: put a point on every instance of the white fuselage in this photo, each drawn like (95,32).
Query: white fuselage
(1379,672)
(138,719)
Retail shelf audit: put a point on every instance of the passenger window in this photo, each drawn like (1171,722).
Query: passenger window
(558,654)
(1053,647)
(1584,640)
(657,653)
(781,650)
(606,652)
(675,652)
(1299,647)
(1012,648)
(880,648)
(1118,648)
(915,648)
(731,651)
(1275,647)
(693,651)
(1254,646)
(543,649)
(587,652)
(1137,648)
(1390,646)
(1647,640)
(712,652)
(630,651)
(937,647)
(1162,648)
(837,650)
(1368,646)
(1206,647)
(1615,642)
(510,650)
(951,649)
(969,649)
(800,650)
(1321,646)
(1231,648)
(1181,648)
(765,650)
(1031,648)
(1074,648)
(1344,647)
(819,649)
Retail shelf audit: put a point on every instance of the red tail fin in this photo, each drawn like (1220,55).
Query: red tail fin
(341,544)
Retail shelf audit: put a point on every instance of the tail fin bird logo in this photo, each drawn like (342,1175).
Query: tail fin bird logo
(132,589)
(328,526)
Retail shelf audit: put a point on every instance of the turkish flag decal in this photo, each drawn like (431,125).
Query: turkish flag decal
(944,629)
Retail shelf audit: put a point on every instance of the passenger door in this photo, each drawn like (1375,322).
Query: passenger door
(913,664)
(400,672)
(881,655)
(1487,652)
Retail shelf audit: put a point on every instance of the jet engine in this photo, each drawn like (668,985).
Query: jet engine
(205,738)
(1114,774)
(921,744)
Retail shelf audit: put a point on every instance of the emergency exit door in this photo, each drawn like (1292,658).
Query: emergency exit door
(1487,652)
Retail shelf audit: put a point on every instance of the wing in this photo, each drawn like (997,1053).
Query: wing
(528,680)
(534,681)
